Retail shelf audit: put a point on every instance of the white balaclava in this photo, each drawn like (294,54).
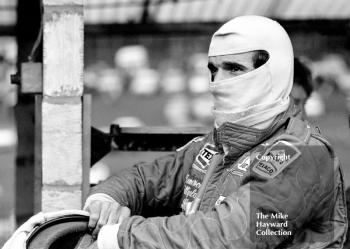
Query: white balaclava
(255,98)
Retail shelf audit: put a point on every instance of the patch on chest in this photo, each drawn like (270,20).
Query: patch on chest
(193,181)
(204,157)
(244,163)
(241,167)
(275,159)
(192,186)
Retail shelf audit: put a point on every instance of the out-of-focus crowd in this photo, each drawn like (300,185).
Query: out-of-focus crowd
(8,92)
(188,101)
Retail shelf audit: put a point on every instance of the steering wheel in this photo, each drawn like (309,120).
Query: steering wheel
(66,232)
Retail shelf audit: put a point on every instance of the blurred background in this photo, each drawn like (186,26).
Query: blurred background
(145,64)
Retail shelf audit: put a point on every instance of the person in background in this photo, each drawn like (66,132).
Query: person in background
(302,87)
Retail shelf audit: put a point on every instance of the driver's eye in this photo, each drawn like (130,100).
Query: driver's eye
(232,67)
(235,69)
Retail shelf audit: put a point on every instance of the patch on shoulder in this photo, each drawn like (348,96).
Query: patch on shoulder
(275,159)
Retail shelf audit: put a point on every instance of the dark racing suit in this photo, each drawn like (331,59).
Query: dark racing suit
(284,192)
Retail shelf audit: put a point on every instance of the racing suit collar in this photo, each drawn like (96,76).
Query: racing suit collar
(240,139)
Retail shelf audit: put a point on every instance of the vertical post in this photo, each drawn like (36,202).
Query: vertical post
(86,145)
(37,154)
(62,106)
(27,30)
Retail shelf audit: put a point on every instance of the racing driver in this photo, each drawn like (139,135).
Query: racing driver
(263,178)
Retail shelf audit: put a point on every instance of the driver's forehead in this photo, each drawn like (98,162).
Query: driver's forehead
(242,58)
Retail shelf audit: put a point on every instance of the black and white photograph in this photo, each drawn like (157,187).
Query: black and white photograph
(174,124)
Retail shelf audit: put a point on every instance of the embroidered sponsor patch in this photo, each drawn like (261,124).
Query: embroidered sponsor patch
(265,169)
(194,179)
(244,163)
(219,200)
(186,206)
(275,159)
(192,186)
(202,160)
